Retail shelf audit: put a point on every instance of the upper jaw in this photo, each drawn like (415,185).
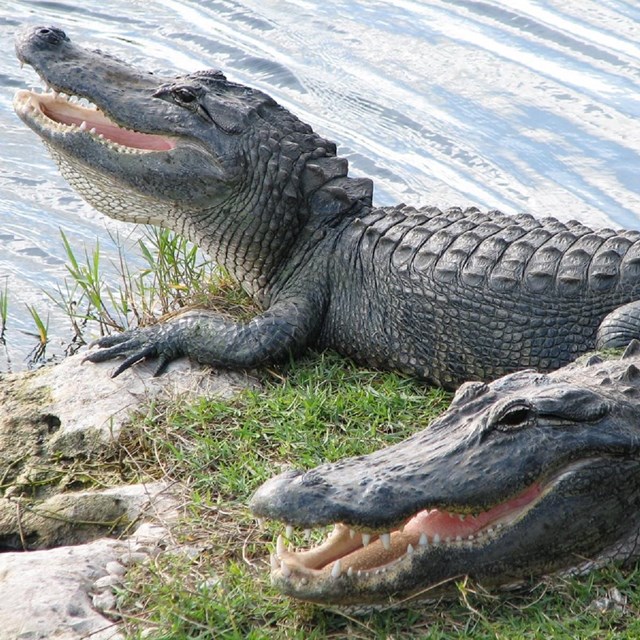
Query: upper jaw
(66,68)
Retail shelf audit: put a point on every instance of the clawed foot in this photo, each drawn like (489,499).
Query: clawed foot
(135,345)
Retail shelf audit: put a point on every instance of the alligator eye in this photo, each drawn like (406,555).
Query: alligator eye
(184,95)
(515,416)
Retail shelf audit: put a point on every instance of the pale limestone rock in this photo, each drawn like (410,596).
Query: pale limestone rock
(67,592)
(73,410)
(85,398)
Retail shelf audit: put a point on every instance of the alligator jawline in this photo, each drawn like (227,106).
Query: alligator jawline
(54,111)
(360,554)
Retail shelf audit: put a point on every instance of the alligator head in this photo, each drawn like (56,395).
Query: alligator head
(219,162)
(529,475)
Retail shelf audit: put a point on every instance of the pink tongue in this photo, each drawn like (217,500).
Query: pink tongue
(449,525)
(133,139)
(144,141)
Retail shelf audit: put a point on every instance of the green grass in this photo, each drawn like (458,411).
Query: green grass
(321,408)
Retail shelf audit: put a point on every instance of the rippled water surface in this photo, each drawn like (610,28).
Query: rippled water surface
(461,102)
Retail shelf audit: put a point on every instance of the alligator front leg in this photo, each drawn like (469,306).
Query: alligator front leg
(209,338)
(619,327)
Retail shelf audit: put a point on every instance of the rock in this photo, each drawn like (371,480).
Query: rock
(45,594)
(79,516)
(106,582)
(66,589)
(74,409)
(115,569)
(66,592)
(85,401)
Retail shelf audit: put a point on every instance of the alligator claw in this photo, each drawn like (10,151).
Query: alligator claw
(112,340)
(133,345)
(163,362)
(148,352)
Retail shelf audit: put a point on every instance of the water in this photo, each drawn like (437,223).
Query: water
(449,103)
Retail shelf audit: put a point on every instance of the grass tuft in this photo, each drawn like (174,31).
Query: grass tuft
(175,277)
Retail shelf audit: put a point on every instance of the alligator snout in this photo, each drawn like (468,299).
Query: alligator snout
(51,35)
(39,38)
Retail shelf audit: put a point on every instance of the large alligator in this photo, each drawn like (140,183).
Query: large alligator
(447,296)
(529,475)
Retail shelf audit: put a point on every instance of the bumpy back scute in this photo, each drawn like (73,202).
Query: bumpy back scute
(319,171)
(630,267)
(488,254)
(605,268)
(459,237)
(441,235)
(541,271)
(572,278)
(630,375)
(508,272)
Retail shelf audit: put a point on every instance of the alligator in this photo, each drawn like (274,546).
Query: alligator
(446,296)
(530,475)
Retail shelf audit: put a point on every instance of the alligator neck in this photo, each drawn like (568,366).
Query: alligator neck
(252,241)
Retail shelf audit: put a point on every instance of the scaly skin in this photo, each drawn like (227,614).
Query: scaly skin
(446,296)
(524,477)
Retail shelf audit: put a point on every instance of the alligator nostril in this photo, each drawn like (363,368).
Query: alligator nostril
(52,35)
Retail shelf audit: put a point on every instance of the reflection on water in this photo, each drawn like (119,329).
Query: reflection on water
(460,102)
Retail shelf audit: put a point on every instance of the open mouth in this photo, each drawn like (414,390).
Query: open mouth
(56,112)
(360,554)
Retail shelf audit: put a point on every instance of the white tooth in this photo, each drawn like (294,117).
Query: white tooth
(385,538)
(304,581)
(424,541)
(285,570)
(352,534)
(409,549)
(21,64)
(55,94)
(101,137)
(288,531)
(366,539)
(499,525)
(336,570)
(307,534)
(359,574)
(447,540)
(83,126)
(470,536)
(462,516)
(275,564)
(280,546)
(92,130)
(436,540)
(350,571)
(490,531)
(458,538)
(261,522)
